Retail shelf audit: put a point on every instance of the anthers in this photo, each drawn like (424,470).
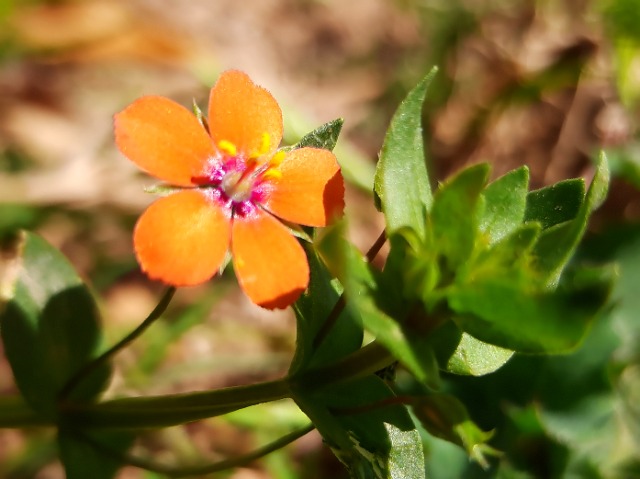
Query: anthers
(227,147)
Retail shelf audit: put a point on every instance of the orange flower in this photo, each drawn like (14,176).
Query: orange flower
(234,185)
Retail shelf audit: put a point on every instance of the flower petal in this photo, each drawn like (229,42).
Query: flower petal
(270,264)
(164,139)
(311,189)
(182,239)
(241,112)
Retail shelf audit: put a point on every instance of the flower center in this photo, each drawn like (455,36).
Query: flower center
(238,186)
(242,182)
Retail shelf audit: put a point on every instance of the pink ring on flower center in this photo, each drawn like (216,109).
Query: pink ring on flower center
(238,184)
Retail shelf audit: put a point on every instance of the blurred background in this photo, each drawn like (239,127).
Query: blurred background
(542,83)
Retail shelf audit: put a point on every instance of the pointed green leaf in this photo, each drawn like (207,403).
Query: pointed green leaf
(505,201)
(557,245)
(402,181)
(555,204)
(325,136)
(50,324)
(452,219)
(460,353)
(405,277)
(499,312)
(473,357)
(509,258)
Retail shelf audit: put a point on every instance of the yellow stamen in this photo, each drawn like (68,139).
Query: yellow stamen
(277,159)
(265,146)
(272,174)
(227,147)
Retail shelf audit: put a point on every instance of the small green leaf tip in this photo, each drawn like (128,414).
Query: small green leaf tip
(325,136)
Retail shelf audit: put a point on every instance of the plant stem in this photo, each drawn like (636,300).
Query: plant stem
(377,246)
(198,470)
(98,362)
(174,409)
(15,413)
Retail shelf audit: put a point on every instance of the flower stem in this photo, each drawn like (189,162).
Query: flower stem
(172,409)
(15,413)
(197,470)
(98,362)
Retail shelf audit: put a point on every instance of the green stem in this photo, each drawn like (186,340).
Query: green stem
(199,470)
(174,409)
(98,362)
(15,413)
(171,410)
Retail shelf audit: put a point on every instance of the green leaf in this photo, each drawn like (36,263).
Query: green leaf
(557,244)
(505,201)
(452,221)
(325,136)
(50,324)
(499,312)
(555,204)
(509,258)
(473,357)
(374,437)
(406,277)
(313,309)
(402,181)
(93,455)
(581,405)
